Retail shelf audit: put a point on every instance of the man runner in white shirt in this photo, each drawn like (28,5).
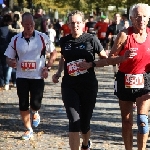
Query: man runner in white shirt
(26,52)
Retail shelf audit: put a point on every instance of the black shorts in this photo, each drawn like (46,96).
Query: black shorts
(103,42)
(79,102)
(130,94)
(33,86)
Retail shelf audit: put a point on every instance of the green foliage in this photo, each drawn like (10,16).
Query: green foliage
(63,6)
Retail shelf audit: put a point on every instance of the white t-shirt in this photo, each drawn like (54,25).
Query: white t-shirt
(31,55)
(52,34)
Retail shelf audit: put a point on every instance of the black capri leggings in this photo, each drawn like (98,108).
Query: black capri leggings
(33,86)
(79,103)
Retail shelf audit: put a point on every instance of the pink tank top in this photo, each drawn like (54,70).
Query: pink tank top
(139,63)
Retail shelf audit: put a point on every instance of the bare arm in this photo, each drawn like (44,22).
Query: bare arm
(56,76)
(113,57)
(52,58)
(11,62)
(15,30)
(102,54)
(119,43)
(60,66)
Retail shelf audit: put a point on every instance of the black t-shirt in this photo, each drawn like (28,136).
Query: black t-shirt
(90,26)
(113,29)
(79,49)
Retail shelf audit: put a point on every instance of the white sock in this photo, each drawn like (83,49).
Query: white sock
(34,112)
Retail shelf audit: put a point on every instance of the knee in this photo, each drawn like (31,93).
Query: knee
(74,126)
(35,105)
(23,107)
(142,123)
(85,129)
(127,124)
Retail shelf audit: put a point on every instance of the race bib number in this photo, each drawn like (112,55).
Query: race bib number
(134,81)
(91,29)
(114,37)
(28,65)
(73,69)
(103,34)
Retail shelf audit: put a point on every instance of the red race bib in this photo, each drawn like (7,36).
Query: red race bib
(28,65)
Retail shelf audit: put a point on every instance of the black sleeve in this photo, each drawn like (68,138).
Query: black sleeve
(107,34)
(97,47)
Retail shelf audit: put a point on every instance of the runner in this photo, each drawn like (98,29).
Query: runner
(89,26)
(132,80)
(79,85)
(65,30)
(26,52)
(111,34)
(101,28)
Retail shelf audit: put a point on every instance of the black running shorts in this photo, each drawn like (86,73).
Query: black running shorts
(130,94)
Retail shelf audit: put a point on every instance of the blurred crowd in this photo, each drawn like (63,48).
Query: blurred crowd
(10,24)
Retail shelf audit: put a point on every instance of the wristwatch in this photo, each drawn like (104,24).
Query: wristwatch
(93,64)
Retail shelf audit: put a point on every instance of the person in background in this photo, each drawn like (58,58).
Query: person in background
(40,21)
(14,28)
(111,35)
(5,72)
(101,28)
(51,33)
(126,24)
(65,30)
(26,52)
(57,28)
(89,26)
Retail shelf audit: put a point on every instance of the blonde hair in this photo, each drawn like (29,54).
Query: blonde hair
(135,6)
(76,12)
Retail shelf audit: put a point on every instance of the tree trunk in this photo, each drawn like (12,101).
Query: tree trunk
(11,4)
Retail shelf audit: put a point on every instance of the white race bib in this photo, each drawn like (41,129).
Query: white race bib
(103,34)
(134,81)
(73,69)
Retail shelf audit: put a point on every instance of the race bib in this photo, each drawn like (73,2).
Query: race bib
(28,65)
(134,81)
(114,37)
(103,34)
(73,69)
(91,29)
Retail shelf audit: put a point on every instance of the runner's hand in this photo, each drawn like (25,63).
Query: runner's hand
(55,78)
(44,72)
(13,63)
(84,65)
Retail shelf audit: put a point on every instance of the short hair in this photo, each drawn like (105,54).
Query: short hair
(117,14)
(91,17)
(26,14)
(125,15)
(135,6)
(76,12)
(51,25)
